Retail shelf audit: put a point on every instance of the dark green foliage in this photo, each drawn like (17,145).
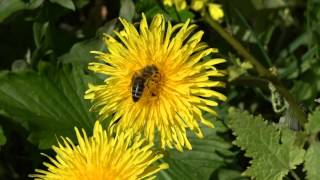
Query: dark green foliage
(49,104)
(208,156)
(3,138)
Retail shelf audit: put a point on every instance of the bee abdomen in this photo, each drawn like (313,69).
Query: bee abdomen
(137,88)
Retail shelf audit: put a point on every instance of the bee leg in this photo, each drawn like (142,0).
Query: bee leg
(115,122)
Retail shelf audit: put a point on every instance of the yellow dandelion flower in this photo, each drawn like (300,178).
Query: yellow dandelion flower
(198,5)
(215,11)
(180,4)
(102,157)
(157,81)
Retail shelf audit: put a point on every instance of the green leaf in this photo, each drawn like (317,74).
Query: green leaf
(49,105)
(185,15)
(237,68)
(81,3)
(312,161)
(8,7)
(148,7)
(303,90)
(309,59)
(301,40)
(229,174)
(178,16)
(65,3)
(291,70)
(3,138)
(80,52)
(273,153)
(313,125)
(39,32)
(207,155)
(127,9)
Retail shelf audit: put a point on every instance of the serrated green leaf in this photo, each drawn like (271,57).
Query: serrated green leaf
(51,104)
(207,155)
(313,125)
(273,153)
(312,161)
(127,9)
(65,3)
(3,138)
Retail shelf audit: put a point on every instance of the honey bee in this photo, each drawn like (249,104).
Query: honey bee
(148,77)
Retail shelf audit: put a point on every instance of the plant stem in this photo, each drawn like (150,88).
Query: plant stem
(262,71)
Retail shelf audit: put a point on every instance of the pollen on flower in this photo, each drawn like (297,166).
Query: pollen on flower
(102,157)
(158,81)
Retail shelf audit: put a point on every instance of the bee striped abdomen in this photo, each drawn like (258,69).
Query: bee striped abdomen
(137,88)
